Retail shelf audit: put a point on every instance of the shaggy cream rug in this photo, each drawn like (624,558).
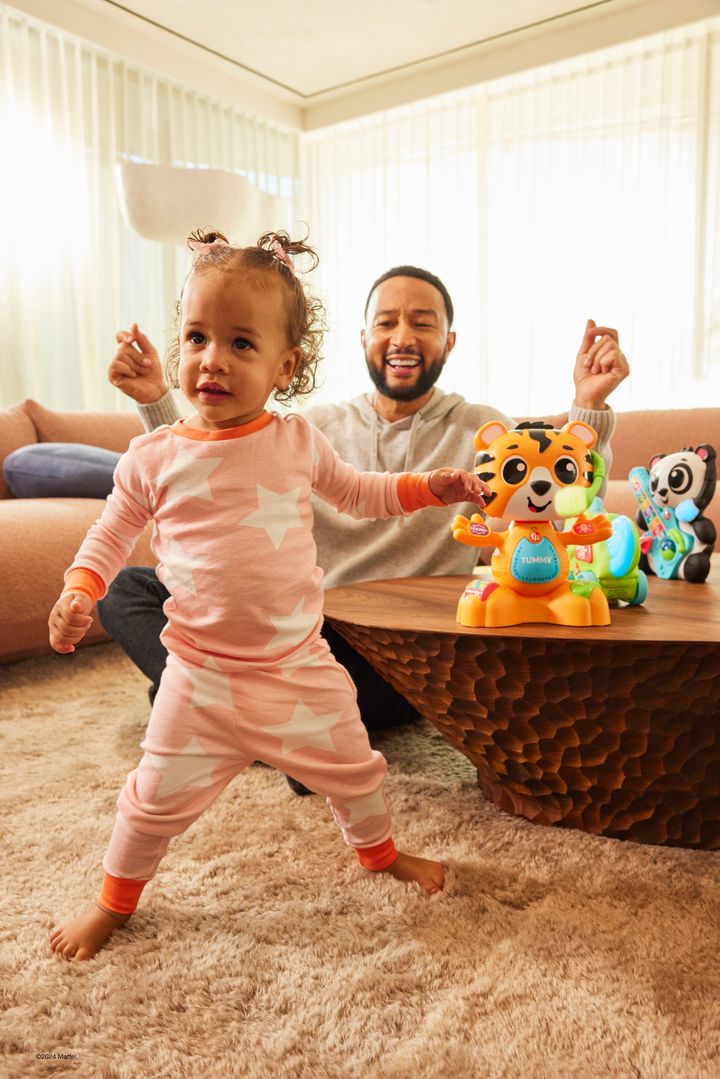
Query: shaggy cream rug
(263,950)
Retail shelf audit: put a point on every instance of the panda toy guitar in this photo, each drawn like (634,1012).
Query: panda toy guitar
(677,540)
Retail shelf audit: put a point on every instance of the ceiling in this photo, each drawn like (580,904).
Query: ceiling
(315,48)
(308,64)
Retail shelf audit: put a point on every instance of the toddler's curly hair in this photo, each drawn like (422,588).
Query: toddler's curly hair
(306,322)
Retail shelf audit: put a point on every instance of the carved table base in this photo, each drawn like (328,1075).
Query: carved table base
(619,739)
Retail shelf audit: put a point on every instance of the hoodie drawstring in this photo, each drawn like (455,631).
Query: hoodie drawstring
(407,464)
(411,441)
(374,438)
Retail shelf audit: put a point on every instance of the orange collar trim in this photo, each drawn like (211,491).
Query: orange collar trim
(181,428)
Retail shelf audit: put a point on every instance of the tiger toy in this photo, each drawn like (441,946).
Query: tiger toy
(535,474)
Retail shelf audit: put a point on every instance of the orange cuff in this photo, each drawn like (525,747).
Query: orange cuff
(85,580)
(120,895)
(378,857)
(414,491)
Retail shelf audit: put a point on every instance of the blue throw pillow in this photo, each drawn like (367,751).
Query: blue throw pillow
(60,470)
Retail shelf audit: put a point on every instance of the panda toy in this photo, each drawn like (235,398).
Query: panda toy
(679,487)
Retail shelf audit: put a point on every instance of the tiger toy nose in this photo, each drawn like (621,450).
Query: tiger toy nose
(540,487)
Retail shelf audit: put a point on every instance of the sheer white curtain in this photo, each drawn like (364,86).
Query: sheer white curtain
(71,271)
(589,188)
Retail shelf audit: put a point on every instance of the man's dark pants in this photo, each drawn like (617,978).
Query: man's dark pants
(132,613)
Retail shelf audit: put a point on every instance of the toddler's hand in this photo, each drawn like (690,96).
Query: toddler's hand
(455,485)
(135,368)
(69,621)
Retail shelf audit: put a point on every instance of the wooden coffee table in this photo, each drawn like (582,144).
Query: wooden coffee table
(613,730)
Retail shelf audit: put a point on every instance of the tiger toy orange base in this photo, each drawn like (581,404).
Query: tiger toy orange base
(535,474)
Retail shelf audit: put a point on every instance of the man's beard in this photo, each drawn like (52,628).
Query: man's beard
(427,379)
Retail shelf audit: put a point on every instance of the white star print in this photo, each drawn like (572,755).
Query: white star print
(360,809)
(192,767)
(292,628)
(306,729)
(211,687)
(180,565)
(277,513)
(186,476)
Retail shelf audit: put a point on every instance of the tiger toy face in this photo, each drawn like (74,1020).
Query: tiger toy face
(526,467)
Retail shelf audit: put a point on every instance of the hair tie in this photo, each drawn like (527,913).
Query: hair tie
(201,247)
(279,252)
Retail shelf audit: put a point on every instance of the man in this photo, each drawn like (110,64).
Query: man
(406,424)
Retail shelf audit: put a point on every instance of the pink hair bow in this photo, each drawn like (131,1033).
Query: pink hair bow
(199,247)
(282,255)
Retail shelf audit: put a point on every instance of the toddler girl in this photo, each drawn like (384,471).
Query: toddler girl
(248,675)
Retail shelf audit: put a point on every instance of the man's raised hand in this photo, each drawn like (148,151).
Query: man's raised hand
(600,366)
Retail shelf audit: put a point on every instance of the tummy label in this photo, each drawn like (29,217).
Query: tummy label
(535,563)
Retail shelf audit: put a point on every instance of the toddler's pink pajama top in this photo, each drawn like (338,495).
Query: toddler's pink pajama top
(248,675)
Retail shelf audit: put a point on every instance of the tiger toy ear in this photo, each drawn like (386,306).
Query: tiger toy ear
(583,431)
(488,433)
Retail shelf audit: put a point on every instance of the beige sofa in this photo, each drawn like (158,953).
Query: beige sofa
(640,435)
(39,536)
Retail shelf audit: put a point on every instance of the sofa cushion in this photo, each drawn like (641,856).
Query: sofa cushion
(619,498)
(60,470)
(109,430)
(640,435)
(16,429)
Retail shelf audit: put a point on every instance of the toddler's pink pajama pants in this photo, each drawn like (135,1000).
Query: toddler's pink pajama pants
(209,722)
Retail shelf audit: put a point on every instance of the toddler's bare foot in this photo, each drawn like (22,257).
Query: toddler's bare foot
(84,936)
(429,876)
